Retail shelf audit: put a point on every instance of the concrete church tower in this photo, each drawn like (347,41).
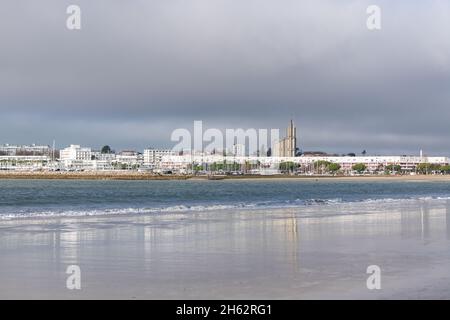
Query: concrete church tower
(287,146)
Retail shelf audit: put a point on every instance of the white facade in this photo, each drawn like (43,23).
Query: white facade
(23,162)
(98,165)
(153,157)
(130,158)
(75,155)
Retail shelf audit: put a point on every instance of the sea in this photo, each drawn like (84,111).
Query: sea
(55,198)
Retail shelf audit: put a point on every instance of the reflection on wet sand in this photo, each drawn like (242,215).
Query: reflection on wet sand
(425,222)
(284,253)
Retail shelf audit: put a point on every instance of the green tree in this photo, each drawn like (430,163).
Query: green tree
(426,168)
(288,166)
(321,166)
(334,167)
(359,167)
(326,166)
(445,169)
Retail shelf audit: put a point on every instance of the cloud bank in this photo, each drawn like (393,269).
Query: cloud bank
(139,69)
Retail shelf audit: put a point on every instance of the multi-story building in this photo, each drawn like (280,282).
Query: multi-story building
(76,156)
(75,152)
(153,157)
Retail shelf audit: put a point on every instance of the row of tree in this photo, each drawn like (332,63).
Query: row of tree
(426,168)
(323,166)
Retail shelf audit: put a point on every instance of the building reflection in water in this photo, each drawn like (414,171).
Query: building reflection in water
(415,223)
(293,238)
(425,221)
(289,235)
(56,245)
(69,244)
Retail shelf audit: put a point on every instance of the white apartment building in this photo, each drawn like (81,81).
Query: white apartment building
(75,152)
(75,156)
(153,157)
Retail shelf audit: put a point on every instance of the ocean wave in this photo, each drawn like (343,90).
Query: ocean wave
(183,208)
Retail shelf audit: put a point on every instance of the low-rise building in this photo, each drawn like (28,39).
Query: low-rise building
(372,163)
(31,150)
(23,162)
(130,158)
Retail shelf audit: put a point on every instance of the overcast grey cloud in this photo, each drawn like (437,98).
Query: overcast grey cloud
(139,69)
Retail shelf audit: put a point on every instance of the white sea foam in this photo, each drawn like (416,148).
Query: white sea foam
(277,204)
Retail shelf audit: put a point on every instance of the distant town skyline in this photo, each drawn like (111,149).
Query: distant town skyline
(136,72)
(287,143)
(169,146)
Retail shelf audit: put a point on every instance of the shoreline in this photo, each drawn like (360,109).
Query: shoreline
(108,175)
(299,211)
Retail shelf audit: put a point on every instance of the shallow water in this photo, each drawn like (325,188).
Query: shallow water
(28,198)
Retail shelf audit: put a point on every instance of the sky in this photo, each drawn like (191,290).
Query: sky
(139,69)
